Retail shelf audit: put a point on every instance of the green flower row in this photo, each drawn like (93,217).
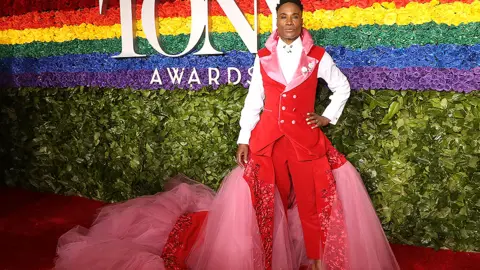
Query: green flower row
(355,38)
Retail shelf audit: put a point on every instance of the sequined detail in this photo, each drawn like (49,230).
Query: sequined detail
(328,197)
(263,203)
(336,253)
(175,244)
(333,226)
(335,158)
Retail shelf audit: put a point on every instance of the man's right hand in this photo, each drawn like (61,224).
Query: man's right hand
(242,155)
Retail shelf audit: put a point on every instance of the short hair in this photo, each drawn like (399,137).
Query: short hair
(296,2)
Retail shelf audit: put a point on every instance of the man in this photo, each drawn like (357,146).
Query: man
(280,143)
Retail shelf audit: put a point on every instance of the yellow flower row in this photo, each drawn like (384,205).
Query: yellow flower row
(382,14)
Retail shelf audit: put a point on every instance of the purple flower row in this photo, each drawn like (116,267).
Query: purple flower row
(170,79)
(414,78)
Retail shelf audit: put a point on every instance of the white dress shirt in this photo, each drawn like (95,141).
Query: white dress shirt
(289,58)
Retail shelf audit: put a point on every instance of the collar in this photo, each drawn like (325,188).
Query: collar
(305,38)
(295,45)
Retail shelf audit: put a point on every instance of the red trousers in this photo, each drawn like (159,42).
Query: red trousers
(311,181)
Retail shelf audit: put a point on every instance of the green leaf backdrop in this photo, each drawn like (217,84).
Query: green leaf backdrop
(418,152)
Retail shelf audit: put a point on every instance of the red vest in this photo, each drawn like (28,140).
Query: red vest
(285,112)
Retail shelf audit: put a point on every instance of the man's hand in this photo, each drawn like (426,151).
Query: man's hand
(242,155)
(316,120)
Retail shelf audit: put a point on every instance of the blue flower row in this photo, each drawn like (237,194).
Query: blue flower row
(436,56)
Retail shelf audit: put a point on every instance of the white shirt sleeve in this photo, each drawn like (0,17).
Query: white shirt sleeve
(338,84)
(253,105)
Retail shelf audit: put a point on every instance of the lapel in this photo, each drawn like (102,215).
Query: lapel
(306,65)
(270,62)
(305,68)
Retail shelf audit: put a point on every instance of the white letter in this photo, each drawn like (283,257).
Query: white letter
(199,17)
(156,77)
(176,79)
(272,5)
(250,72)
(210,79)
(197,80)
(239,75)
(127,9)
(240,23)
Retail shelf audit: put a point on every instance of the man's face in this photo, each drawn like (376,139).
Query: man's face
(289,22)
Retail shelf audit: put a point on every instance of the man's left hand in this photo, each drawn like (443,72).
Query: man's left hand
(316,120)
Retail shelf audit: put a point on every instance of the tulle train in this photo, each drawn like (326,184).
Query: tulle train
(134,234)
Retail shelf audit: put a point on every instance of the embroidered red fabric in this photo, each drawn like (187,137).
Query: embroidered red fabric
(263,203)
(335,158)
(174,243)
(181,240)
(333,221)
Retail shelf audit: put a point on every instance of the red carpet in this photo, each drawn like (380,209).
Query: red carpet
(30,224)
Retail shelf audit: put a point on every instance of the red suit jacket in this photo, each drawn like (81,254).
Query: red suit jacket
(286,105)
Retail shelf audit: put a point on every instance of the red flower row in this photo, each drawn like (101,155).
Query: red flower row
(19,7)
(91,15)
(110,17)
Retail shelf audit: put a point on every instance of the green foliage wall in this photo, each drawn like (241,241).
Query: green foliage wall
(418,152)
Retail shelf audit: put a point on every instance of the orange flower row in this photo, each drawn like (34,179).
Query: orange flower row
(165,10)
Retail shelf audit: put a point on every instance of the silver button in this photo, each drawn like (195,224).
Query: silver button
(293,122)
(283,108)
(281,121)
(294,96)
(284,95)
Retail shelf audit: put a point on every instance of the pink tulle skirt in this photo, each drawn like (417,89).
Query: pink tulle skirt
(190,227)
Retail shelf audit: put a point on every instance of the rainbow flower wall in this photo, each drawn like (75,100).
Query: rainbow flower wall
(415,45)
